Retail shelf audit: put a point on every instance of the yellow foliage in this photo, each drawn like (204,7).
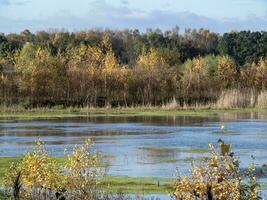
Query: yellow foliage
(39,176)
(106,43)
(227,70)
(195,76)
(218,178)
(260,73)
(85,57)
(38,172)
(110,63)
(151,60)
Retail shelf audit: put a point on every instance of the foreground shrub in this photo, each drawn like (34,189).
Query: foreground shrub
(218,178)
(39,176)
(35,176)
(81,172)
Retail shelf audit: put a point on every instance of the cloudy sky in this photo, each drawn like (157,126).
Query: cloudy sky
(74,15)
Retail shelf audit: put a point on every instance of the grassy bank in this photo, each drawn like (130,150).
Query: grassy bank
(136,185)
(45,113)
(5,164)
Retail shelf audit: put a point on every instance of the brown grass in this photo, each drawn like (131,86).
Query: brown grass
(262,100)
(171,105)
(236,99)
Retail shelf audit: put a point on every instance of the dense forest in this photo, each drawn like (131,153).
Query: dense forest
(130,68)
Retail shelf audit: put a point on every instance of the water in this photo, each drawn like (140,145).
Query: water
(142,146)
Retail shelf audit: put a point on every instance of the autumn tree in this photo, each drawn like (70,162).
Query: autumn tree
(110,71)
(260,75)
(194,79)
(38,72)
(8,82)
(153,76)
(227,71)
(84,73)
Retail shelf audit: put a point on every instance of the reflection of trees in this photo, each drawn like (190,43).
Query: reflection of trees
(230,116)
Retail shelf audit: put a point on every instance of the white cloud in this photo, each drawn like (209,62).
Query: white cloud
(105,15)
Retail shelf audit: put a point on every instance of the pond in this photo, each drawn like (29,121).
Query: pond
(143,146)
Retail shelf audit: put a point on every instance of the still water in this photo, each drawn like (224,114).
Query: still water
(143,146)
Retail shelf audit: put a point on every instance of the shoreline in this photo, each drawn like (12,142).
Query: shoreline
(54,113)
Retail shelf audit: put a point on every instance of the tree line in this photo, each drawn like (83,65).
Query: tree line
(129,68)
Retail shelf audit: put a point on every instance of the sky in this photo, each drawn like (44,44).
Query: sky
(75,15)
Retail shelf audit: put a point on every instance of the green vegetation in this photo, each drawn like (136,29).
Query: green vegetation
(47,113)
(170,150)
(171,160)
(194,150)
(5,163)
(185,160)
(263,186)
(138,185)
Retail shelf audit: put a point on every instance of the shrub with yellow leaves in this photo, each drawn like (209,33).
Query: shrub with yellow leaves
(36,175)
(81,172)
(219,178)
(39,176)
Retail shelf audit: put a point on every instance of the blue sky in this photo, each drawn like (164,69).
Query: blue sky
(217,15)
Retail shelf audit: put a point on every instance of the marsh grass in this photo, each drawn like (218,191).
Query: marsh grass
(137,185)
(175,150)
(262,100)
(236,99)
(183,160)
(171,105)
(51,113)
